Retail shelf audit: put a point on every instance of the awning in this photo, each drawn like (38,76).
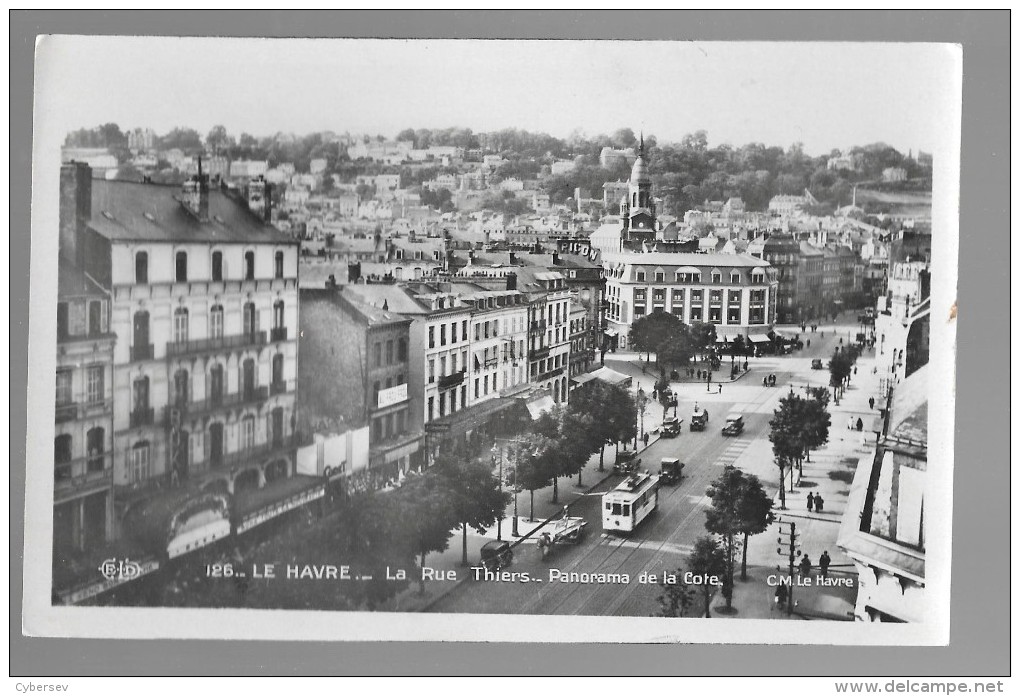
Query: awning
(541,405)
(759,338)
(611,332)
(725,338)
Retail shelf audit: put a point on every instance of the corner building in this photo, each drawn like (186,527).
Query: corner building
(205,307)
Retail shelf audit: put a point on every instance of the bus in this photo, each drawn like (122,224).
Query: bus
(627,505)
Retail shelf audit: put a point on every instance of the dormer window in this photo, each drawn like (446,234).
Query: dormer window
(734,278)
(640,276)
(716,277)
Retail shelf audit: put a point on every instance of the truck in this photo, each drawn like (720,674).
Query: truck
(699,419)
(671,427)
(671,471)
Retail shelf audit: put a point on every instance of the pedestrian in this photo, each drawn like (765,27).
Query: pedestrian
(850,423)
(809,343)
(871,403)
(645,438)
(855,370)
(819,503)
(720,387)
(810,501)
(699,374)
(745,366)
(781,595)
(805,567)
(860,425)
(764,381)
(823,563)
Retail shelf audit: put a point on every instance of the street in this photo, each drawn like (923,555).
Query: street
(662,542)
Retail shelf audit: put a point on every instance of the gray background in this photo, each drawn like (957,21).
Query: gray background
(981,590)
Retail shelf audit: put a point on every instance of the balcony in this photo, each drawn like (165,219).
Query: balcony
(177,349)
(141,416)
(66,412)
(539,353)
(141,352)
(192,409)
(281,387)
(538,326)
(278,334)
(74,410)
(448,381)
(237,459)
(85,473)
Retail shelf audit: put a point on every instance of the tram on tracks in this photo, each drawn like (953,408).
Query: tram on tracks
(627,505)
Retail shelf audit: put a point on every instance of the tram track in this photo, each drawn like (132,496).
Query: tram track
(607,599)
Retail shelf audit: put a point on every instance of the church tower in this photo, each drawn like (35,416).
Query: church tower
(639,220)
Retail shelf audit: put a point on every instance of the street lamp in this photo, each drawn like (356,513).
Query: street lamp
(499,522)
(517,464)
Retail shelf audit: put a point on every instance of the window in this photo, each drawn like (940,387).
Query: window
(278,265)
(140,394)
(217,266)
(716,277)
(432,337)
(62,320)
(477,382)
(432,404)
(181,266)
(463,330)
(247,432)
(249,265)
(97,318)
(734,277)
(94,384)
(400,379)
(138,464)
(660,277)
(442,334)
(64,386)
(62,449)
(180,325)
(278,369)
(251,319)
(377,354)
(389,352)
(432,371)
(278,314)
(402,350)
(375,394)
(442,366)
(377,429)
(640,276)
(216,321)
(95,444)
(141,268)
(182,382)
(453,332)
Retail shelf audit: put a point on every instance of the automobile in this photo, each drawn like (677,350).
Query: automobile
(671,471)
(671,427)
(496,555)
(816,364)
(699,419)
(734,423)
(626,462)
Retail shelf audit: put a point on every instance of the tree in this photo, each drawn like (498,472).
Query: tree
(578,440)
(755,513)
(652,331)
(532,469)
(596,399)
(816,422)
(218,139)
(785,436)
(703,336)
(429,516)
(475,494)
(706,559)
(723,518)
(623,415)
(677,597)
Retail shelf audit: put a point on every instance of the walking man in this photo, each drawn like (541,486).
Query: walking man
(805,567)
(871,402)
(810,501)
(860,425)
(823,563)
(819,503)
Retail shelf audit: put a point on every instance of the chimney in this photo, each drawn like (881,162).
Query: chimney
(196,194)
(260,199)
(511,281)
(513,258)
(353,272)
(75,208)
(556,258)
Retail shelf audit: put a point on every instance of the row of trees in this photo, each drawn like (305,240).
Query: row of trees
(799,425)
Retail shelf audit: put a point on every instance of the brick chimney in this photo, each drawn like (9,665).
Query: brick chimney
(196,194)
(75,208)
(260,198)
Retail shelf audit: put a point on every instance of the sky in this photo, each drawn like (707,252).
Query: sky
(824,95)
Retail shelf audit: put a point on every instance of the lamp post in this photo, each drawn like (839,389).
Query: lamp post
(499,522)
(517,463)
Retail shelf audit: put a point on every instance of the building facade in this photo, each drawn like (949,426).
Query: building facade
(736,293)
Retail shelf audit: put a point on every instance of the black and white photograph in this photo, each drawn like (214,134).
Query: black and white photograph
(541,341)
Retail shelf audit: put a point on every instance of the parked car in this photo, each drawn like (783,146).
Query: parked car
(816,364)
(671,427)
(626,463)
(496,555)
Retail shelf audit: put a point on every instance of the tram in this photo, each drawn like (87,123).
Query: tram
(627,505)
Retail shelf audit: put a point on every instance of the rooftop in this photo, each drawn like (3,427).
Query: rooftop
(129,211)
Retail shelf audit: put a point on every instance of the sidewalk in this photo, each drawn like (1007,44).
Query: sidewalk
(828,474)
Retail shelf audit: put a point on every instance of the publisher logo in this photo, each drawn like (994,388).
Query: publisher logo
(126,569)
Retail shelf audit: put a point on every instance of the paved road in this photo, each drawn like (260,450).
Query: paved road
(662,542)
